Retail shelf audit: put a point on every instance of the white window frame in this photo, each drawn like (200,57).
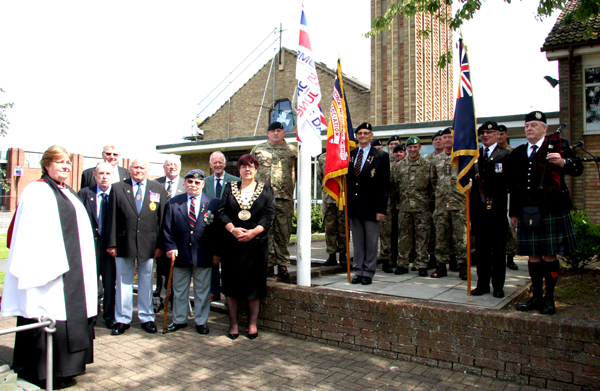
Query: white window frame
(588,62)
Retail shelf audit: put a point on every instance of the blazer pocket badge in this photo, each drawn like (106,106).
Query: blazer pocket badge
(498,168)
(372,173)
(208,217)
(152,206)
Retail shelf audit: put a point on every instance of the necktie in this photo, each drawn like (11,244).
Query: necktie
(487,153)
(533,150)
(101,212)
(358,163)
(169,189)
(219,188)
(138,198)
(192,213)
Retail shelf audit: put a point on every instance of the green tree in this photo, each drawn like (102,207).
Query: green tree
(4,182)
(582,12)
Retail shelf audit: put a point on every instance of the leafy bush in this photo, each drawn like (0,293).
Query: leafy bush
(588,236)
(316,221)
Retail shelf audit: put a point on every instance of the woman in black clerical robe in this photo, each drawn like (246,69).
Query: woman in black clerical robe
(51,272)
(247,211)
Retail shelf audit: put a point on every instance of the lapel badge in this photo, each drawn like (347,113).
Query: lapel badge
(92,199)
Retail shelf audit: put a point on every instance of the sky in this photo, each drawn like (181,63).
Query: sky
(131,73)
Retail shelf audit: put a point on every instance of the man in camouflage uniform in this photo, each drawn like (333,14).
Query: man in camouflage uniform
(388,227)
(333,220)
(511,239)
(277,167)
(450,214)
(438,148)
(414,181)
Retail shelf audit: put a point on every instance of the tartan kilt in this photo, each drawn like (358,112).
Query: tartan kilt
(556,235)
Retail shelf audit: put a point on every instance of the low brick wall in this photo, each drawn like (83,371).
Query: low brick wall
(540,351)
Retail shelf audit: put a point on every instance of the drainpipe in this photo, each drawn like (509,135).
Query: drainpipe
(570,111)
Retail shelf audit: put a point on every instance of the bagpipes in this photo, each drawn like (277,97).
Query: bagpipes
(550,187)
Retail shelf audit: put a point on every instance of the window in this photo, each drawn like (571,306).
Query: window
(592,99)
(282,112)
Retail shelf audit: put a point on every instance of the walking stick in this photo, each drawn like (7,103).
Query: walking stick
(168,293)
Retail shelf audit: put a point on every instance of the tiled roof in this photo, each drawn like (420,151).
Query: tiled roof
(573,34)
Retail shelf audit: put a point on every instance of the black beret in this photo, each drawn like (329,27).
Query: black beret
(275,125)
(399,147)
(364,125)
(437,134)
(446,131)
(376,143)
(502,128)
(487,125)
(536,116)
(196,174)
(393,138)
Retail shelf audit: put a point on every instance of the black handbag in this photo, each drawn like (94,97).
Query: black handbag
(531,217)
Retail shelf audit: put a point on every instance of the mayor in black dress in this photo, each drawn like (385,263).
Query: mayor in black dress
(247,211)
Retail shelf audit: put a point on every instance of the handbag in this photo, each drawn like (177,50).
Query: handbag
(531,217)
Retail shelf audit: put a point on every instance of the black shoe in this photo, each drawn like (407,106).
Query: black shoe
(462,274)
(422,272)
(510,263)
(271,271)
(453,266)
(331,261)
(110,323)
(499,294)
(119,328)
(356,280)
(343,258)
(535,303)
(233,336)
(366,280)
(548,307)
(432,264)
(253,336)
(176,326)
(149,327)
(283,273)
(480,291)
(400,270)
(440,271)
(202,329)
(385,267)
(158,304)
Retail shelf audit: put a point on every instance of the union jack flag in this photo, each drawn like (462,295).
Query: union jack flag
(465,150)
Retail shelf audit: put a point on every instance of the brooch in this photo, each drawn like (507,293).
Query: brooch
(208,217)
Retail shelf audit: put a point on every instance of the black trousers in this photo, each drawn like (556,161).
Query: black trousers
(490,244)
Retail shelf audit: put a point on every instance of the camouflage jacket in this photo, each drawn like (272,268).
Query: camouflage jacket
(327,199)
(447,195)
(277,167)
(414,182)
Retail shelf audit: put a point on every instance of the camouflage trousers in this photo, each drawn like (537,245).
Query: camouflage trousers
(335,228)
(450,231)
(413,234)
(511,239)
(388,237)
(279,235)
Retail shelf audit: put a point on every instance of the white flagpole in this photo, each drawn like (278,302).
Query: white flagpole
(303,230)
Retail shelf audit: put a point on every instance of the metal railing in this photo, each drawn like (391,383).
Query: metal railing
(49,327)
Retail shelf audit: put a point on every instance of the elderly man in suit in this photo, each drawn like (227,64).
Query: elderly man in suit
(489,207)
(110,154)
(174,185)
(190,227)
(136,211)
(368,185)
(95,199)
(214,186)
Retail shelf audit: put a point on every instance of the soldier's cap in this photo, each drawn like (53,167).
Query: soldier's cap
(364,125)
(487,125)
(502,128)
(536,116)
(196,174)
(376,143)
(446,131)
(275,125)
(393,138)
(400,147)
(437,134)
(412,140)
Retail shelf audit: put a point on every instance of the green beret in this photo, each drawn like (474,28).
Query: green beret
(412,140)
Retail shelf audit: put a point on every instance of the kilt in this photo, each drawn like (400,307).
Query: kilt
(556,235)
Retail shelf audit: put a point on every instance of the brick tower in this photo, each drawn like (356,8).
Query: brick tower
(406,83)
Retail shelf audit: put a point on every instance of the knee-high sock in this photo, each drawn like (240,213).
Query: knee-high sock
(551,275)
(536,272)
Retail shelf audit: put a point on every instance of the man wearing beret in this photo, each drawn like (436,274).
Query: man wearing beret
(450,215)
(277,162)
(368,185)
(399,153)
(190,238)
(542,216)
(388,227)
(511,240)
(488,212)
(438,147)
(414,181)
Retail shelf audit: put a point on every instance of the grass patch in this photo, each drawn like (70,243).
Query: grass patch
(2,281)
(312,237)
(3,249)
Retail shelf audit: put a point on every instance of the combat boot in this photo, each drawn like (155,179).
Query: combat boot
(331,261)
(510,262)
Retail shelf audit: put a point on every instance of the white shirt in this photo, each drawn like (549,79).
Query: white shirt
(490,149)
(135,188)
(174,184)
(222,178)
(99,199)
(530,146)
(365,154)
(197,205)
(115,177)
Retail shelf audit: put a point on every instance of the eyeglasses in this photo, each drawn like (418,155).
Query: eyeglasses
(488,131)
(115,154)
(191,182)
(363,133)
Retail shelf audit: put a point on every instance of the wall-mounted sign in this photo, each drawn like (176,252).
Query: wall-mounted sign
(18,171)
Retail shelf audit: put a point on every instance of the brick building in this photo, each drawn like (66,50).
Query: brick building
(579,73)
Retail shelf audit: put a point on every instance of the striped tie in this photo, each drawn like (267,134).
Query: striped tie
(169,190)
(358,163)
(192,213)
